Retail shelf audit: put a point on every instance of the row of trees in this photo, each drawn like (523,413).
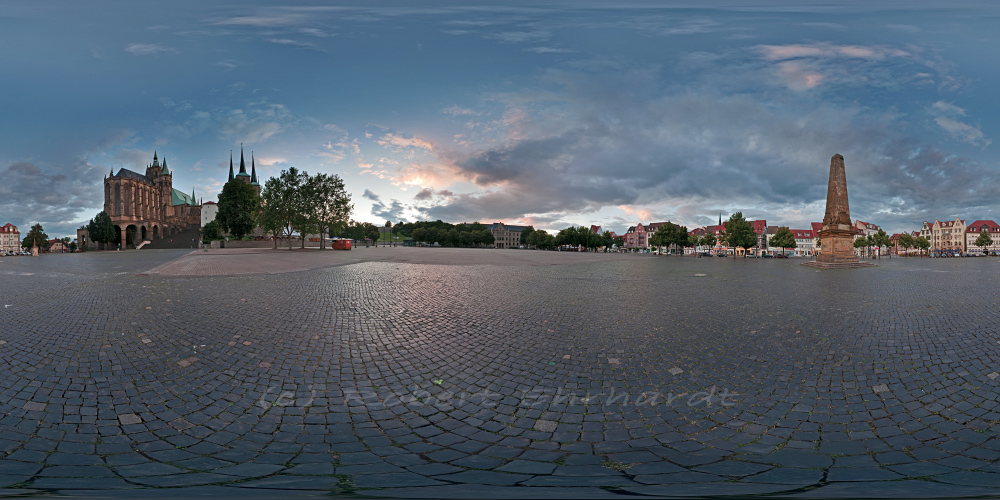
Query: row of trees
(908,241)
(292,202)
(879,239)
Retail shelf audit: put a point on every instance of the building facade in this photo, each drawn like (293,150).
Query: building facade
(10,239)
(505,236)
(948,237)
(145,207)
(209,210)
(973,232)
(56,246)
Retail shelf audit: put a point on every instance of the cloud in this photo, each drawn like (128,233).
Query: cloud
(963,131)
(398,141)
(276,20)
(549,50)
(255,123)
(371,196)
(946,114)
(614,138)
(53,197)
(459,111)
(148,49)
(827,50)
(518,36)
(228,64)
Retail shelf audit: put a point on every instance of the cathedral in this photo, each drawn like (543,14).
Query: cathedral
(146,207)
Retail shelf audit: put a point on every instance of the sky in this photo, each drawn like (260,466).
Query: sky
(543,113)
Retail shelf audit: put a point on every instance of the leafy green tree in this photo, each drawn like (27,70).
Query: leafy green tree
(881,240)
(783,239)
(708,240)
(984,240)
(664,236)
(211,231)
(525,234)
(330,204)
(72,246)
(906,242)
(419,234)
(922,243)
(739,232)
(861,242)
(36,237)
(239,208)
(101,229)
(282,203)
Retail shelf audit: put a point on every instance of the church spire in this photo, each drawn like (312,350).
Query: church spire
(243,164)
(156,163)
(253,170)
(230,164)
(192,196)
(720,217)
(165,171)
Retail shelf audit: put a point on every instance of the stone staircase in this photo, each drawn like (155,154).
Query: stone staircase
(189,238)
(144,243)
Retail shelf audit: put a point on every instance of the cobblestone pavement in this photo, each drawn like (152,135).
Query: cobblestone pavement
(636,375)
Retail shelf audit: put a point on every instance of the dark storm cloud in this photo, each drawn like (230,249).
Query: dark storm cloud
(609,140)
(52,197)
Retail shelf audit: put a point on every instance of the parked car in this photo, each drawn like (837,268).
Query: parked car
(780,256)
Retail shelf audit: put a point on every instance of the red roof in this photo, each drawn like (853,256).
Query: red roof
(977,226)
(759,226)
(816,226)
(9,228)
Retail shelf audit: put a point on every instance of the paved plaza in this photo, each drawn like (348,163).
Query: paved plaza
(421,372)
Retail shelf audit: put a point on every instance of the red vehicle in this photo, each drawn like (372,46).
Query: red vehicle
(340,244)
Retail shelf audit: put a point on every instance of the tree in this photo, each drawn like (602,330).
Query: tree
(101,229)
(664,236)
(881,240)
(525,234)
(922,243)
(783,239)
(239,208)
(373,235)
(331,205)
(72,246)
(419,234)
(211,231)
(708,240)
(739,232)
(36,237)
(860,242)
(282,203)
(906,242)
(984,240)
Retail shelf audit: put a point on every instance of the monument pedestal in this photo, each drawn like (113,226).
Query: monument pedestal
(837,250)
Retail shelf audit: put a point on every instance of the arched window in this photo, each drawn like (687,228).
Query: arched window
(118,199)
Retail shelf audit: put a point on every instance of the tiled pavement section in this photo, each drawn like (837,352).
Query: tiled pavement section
(629,376)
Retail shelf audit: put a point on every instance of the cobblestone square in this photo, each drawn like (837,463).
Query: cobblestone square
(417,372)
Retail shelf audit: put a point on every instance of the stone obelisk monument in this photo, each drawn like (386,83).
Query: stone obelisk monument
(837,233)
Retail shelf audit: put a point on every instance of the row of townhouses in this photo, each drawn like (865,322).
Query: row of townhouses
(955,237)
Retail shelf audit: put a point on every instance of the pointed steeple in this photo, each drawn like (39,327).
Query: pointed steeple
(243,164)
(192,196)
(253,170)
(165,171)
(720,217)
(230,164)
(156,163)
